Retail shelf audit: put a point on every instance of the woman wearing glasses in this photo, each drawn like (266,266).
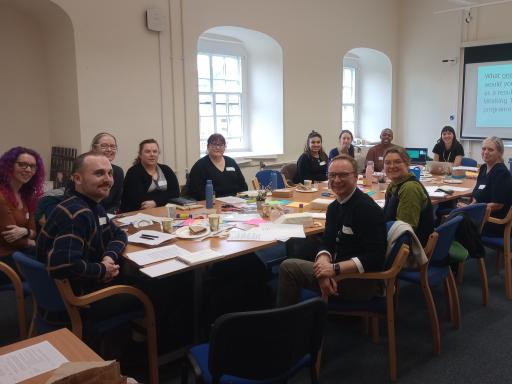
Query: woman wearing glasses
(107,144)
(148,183)
(21,186)
(406,198)
(222,170)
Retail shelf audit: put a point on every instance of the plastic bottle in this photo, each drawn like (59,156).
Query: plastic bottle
(274,181)
(369,172)
(208,193)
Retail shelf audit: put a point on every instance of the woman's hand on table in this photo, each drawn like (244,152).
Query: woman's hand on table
(148,204)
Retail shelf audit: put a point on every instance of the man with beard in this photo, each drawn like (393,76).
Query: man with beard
(354,241)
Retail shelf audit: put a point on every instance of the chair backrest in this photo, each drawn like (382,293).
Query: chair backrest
(265,178)
(405,238)
(266,344)
(468,162)
(478,214)
(41,284)
(446,233)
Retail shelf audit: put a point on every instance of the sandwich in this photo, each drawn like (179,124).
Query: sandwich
(196,229)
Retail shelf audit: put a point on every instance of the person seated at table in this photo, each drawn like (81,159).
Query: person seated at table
(354,241)
(21,186)
(345,145)
(223,171)
(494,184)
(148,184)
(448,149)
(312,164)
(406,198)
(376,153)
(107,144)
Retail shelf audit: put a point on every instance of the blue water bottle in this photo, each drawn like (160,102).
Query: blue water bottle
(208,193)
(274,180)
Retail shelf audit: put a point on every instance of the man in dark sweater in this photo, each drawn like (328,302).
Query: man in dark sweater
(354,241)
(78,241)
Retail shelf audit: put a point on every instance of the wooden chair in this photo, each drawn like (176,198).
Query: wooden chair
(502,247)
(20,291)
(73,304)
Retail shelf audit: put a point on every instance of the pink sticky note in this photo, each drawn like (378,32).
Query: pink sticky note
(255,221)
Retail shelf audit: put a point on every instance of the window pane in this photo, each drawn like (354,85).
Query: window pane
(206,127)
(233,86)
(202,145)
(234,107)
(232,68)
(235,126)
(218,67)
(205,105)
(220,105)
(222,125)
(203,66)
(347,77)
(204,85)
(348,95)
(219,86)
(234,142)
(348,125)
(348,113)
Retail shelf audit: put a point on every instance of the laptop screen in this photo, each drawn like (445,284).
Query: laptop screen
(417,155)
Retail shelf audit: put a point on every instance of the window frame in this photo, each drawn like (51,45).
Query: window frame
(218,45)
(353,65)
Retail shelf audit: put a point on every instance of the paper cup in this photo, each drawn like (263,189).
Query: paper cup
(214,220)
(308,183)
(167,224)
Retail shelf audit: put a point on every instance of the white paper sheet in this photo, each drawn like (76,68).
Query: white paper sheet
(381,202)
(250,235)
(268,232)
(318,215)
(240,217)
(454,188)
(159,239)
(200,256)
(29,362)
(163,268)
(141,218)
(148,256)
(231,200)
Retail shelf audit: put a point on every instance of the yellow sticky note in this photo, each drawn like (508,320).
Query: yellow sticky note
(296,204)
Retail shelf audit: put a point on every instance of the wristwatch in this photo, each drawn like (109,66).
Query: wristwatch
(337,268)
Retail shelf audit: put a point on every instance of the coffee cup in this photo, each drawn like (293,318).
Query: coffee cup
(214,220)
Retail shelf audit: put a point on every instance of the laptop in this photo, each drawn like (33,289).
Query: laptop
(417,155)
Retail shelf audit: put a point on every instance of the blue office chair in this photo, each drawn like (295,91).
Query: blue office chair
(378,307)
(468,162)
(264,178)
(21,290)
(435,272)
(502,246)
(266,346)
(55,299)
(478,214)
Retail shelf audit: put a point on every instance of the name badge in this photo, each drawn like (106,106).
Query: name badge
(482,186)
(230,169)
(381,158)
(103,220)
(347,230)
(162,183)
(322,163)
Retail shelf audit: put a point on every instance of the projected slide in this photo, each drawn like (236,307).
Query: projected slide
(494,96)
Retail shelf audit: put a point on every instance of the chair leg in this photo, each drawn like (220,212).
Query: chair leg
(449,299)
(434,321)
(375,329)
(22,322)
(318,361)
(391,340)
(508,274)
(152,351)
(485,283)
(498,261)
(455,300)
(460,272)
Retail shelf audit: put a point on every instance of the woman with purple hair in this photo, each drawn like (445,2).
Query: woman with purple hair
(21,186)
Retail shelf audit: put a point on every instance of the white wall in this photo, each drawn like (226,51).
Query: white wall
(429,89)
(23,83)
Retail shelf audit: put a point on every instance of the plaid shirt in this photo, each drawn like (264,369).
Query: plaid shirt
(76,238)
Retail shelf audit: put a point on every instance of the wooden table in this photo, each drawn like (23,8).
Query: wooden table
(63,340)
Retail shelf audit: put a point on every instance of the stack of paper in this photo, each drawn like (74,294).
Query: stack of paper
(149,256)
(164,268)
(200,257)
(139,219)
(150,237)
(268,232)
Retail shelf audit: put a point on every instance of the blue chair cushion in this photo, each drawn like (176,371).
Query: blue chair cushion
(200,354)
(493,241)
(10,287)
(436,275)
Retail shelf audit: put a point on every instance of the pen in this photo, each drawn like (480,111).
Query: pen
(149,237)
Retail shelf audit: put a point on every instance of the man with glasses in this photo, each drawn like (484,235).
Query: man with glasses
(354,241)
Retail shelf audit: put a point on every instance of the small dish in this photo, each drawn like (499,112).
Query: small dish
(184,233)
(307,190)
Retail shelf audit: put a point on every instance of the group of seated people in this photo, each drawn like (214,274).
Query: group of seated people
(78,240)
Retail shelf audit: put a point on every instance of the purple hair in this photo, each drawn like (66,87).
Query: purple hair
(31,191)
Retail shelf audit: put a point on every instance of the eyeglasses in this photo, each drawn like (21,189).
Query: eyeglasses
(24,165)
(105,147)
(341,175)
(217,145)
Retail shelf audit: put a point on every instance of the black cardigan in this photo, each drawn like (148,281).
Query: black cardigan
(137,182)
(228,182)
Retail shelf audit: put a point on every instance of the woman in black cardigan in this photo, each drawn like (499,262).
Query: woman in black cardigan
(147,183)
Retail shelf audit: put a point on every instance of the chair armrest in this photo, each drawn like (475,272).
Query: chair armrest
(12,275)
(503,221)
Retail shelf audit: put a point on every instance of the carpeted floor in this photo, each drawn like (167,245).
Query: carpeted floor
(479,352)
